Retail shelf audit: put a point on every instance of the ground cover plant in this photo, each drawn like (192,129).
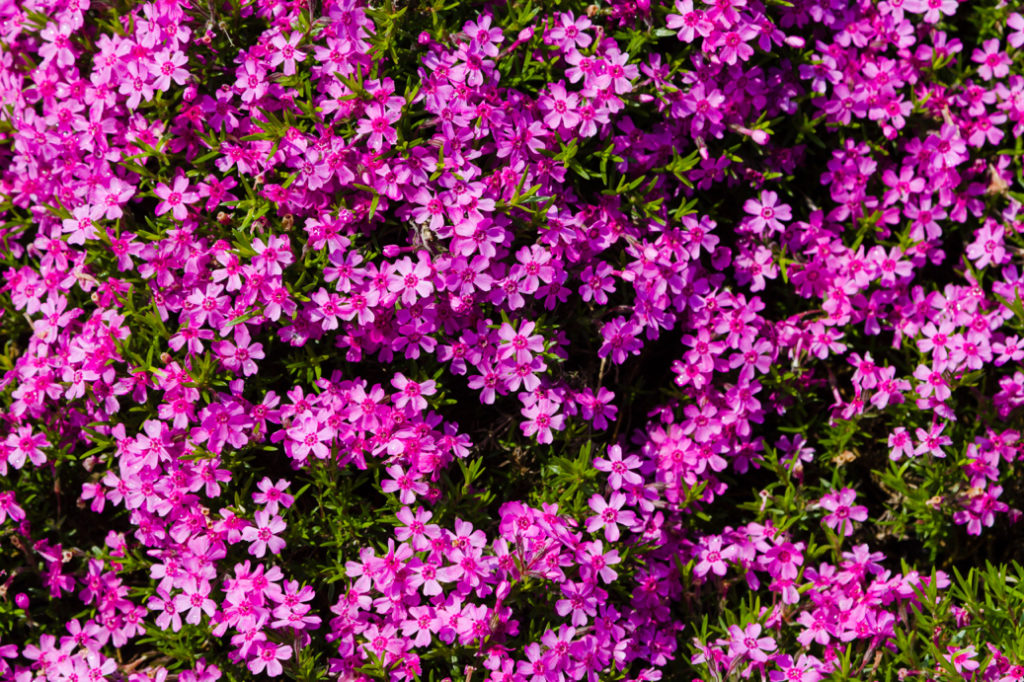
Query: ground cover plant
(524,341)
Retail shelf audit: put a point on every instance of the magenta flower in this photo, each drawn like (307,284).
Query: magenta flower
(168,617)
(22,444)
(963,659)
(241,355)
(1016,22)
(9,507)
(620,340)
(933,10)
(519,345)
(784,560)
(900,444)
(307,435)
(619,470)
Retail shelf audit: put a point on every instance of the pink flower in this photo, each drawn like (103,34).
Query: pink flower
(270,495)
(932,9)
(609,515)
(963,660)
(804,669)
(24,444)
(713,557)
(1016,22)
(308,435)
(992,62)
(285,52)
(378,125)
(519,345)
(571,32)
(619,470)
(263,535)
(541,419)
(195,599)
(82,225)
(748,642)
(620,339)
(175,198)
(9,507)
(560,107)
(690,22)
(166,67)
(412,281)
(768,213)
(268,658)
(411,393)
(842,512)
(592,555)
(58,44)
(408,486)
(900,444)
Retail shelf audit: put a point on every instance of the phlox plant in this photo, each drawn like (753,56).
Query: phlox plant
(524,341)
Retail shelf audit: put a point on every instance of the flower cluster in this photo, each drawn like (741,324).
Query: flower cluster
(308,309)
